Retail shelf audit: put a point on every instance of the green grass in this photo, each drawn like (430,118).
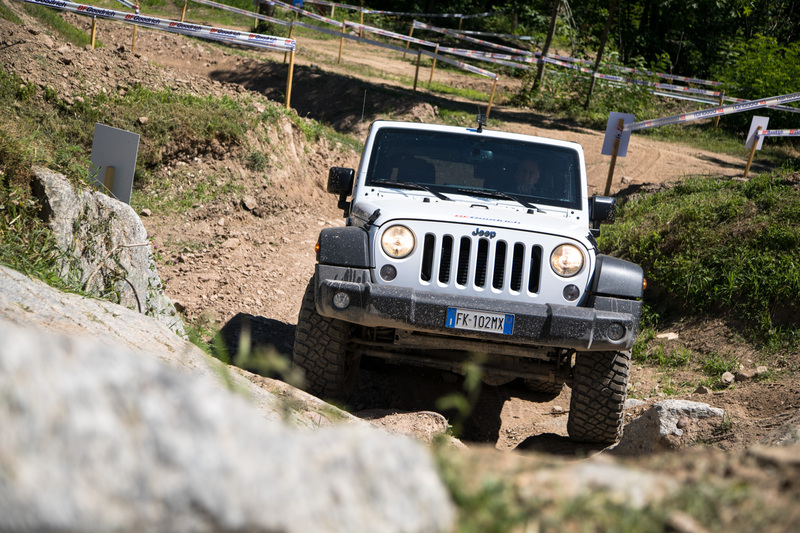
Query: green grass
(7,14)
(52,19)
(506,501)
(719,246)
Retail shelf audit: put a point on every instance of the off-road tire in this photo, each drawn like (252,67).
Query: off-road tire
(598,396)
(545,389)
(320,350)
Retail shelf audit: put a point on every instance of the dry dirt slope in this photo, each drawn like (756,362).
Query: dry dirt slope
(250,255)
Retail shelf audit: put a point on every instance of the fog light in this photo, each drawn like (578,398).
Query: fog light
(571,293)
(341,300)
(616,331)
(388,272)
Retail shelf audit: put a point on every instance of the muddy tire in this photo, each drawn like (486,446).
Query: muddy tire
(320,350)
(598,396)
(545,389)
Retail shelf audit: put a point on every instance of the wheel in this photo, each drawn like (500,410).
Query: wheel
(546,389)
(600,382)
(320,349)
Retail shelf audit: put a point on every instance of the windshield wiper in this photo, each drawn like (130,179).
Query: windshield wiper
(412,185)
(494,193)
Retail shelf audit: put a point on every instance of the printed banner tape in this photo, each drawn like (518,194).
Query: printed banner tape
(244,12)
(715,112)
(129,5)
(350,37)
(208,32)
(391,34)
(779,133)
(452,33)
(461,65)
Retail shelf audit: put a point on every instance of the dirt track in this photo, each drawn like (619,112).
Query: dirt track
(224,262)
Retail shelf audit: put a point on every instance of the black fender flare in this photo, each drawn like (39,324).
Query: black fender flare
(346,246)
(617,277)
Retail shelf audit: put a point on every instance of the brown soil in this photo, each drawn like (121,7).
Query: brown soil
(248,257)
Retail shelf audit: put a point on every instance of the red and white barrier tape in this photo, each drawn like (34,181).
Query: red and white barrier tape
(207,32)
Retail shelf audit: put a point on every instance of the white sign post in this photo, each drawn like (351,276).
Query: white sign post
(754,140)
(616,141)
(114,160)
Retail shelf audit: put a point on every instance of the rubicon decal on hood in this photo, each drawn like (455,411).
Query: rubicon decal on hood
(489,219)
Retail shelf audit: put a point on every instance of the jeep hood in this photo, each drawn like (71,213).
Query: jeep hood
(475,211)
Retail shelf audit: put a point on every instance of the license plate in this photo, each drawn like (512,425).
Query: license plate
(470,319)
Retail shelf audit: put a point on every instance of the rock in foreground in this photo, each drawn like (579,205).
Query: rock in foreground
(96,438)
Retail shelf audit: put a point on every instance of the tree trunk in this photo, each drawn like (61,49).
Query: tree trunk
(600,50)
(550,31)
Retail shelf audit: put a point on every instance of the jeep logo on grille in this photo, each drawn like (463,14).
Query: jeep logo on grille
(483,233)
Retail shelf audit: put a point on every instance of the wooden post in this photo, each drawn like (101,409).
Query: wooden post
(620,125)
(752,153)
(410,34)
(289,79)
(433,67)
(341,43)
(716,120)
(600,50)
(460,20)
(291,29)
(108,181)
(94,29)
(491,97)
(133,46)
(416,74)
(361,30)
(183,13)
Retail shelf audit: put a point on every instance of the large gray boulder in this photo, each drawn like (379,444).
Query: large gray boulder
(98,438)
(104,247)
(666,426)
(788,434)
(34,304)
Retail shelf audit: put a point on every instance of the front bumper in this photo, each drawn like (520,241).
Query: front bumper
(562,326)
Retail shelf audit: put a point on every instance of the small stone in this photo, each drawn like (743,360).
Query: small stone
(761,370)
(745,375)
(142,120)
(557,410)
(727,378)
(146,212)
(683,523)
(683,422)
(249,203)
(667,336)
(702,389)
(221,222)
(632,403)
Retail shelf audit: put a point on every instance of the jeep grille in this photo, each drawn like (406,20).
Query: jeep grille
(496,263)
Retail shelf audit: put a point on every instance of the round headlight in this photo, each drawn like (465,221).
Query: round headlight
(397,241)
(566,260)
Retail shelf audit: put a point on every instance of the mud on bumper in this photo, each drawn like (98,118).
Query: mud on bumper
(579,328)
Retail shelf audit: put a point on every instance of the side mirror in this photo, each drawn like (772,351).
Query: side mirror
(601,209)
(340,181)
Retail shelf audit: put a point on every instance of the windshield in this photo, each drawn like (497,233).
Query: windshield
(531,172)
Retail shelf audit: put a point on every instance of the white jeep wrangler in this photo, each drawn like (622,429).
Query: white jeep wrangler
(464,241)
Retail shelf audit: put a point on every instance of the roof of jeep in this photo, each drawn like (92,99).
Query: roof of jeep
(378,124)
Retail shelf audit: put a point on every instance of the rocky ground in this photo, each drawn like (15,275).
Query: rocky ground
(249,256)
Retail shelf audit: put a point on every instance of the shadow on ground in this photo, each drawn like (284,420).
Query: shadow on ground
(358,101)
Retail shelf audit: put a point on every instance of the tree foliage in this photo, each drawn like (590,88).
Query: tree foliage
(696,37)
